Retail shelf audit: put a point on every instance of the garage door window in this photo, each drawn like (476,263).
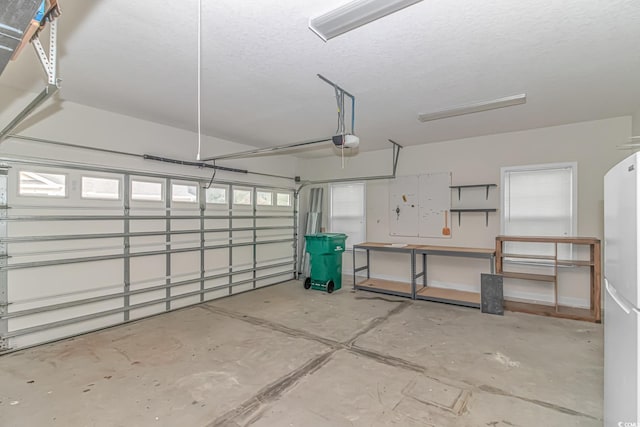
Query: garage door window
(42,184)
(100,188)
(216,195)
(145,190)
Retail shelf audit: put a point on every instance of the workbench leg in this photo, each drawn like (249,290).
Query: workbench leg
(424,270)
(368,265)
(413,275)
(353,252)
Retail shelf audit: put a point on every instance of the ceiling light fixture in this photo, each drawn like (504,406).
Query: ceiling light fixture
(474,108)
(353,15)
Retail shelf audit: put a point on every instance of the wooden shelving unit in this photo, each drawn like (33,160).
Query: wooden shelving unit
(556,310)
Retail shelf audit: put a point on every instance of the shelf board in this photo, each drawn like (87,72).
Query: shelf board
(576,262)
(549,239)
(528,256)
(529,276)
(473,186)
(473,210)
(565,312)
(451,296)
(385,286)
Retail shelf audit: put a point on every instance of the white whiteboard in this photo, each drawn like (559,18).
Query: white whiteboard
(435,202)
(417,205)
(403,206)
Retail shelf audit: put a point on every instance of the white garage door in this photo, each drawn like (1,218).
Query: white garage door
(83,249)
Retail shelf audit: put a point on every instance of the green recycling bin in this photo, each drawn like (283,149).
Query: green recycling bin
(325,250)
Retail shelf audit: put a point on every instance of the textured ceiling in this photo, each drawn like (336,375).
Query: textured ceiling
(576,60)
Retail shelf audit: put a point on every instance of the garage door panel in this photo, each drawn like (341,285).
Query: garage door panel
(65,331)
(150,310)
(274,251)
(54,316)
(59,283)
(147,267)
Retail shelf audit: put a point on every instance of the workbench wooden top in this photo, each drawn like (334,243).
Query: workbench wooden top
(433,248)
(378,245)
(430,248)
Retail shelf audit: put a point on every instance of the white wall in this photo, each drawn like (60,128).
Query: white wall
(636,124)
(478,161)
(78,124)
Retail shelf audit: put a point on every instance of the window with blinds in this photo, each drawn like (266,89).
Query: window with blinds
(347,211)
(539,200)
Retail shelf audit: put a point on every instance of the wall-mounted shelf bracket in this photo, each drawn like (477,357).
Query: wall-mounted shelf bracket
(460,187)
(486,213)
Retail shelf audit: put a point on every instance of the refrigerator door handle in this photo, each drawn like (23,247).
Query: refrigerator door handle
(615,297)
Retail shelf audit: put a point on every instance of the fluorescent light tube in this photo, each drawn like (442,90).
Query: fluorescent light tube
(474,108)
(353,15)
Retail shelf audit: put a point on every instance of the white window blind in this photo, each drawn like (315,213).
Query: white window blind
(347,211)
(539,200)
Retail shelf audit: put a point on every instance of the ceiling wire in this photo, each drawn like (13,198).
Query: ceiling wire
(341,126)
(344,131)
(212,176)
(199,101)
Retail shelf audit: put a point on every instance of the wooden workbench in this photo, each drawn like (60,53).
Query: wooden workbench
(451,296)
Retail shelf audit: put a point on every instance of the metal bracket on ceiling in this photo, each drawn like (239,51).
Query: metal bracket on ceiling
(395,156)
(49,64)
(340,94)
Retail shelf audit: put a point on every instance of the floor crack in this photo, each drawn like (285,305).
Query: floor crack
(378,320)
(297,333)
(272,392)
(247,410)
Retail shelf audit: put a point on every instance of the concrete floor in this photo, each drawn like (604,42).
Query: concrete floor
(283,356)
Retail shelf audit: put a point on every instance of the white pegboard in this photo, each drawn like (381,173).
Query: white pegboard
(418,203)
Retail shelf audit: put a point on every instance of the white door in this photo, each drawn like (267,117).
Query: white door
(620,361)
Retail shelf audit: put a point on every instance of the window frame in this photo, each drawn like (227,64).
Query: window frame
(162,182)
(276,204)
(219,187)
(573,167)
(242,205)
(111,178)
(272,201)
(185,184)
(330,216)
(45,196)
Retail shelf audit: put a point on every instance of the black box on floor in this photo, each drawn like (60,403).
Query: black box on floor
(492,297)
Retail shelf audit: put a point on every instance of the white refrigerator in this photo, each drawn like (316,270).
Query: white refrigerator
(622,294)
